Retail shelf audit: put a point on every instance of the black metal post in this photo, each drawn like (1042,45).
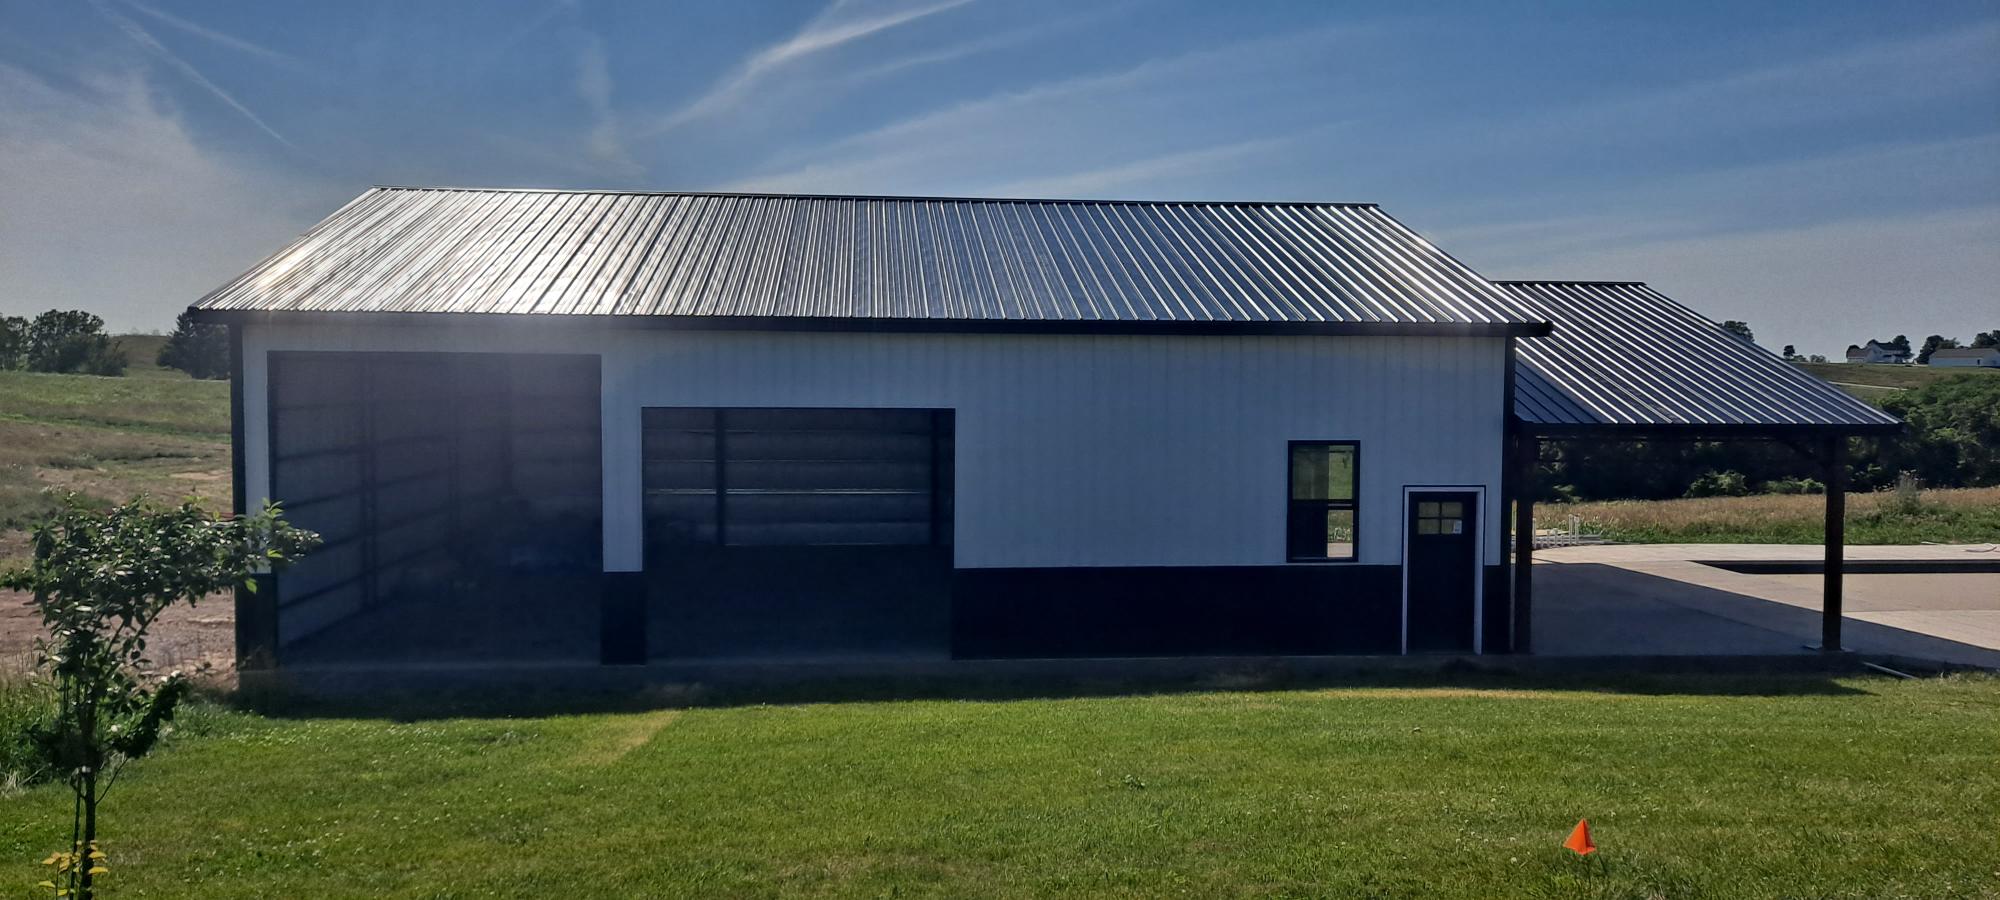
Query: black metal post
(1527,453)
(1836,540)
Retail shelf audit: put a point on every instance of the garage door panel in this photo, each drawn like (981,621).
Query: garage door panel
(850,474)
(826,537)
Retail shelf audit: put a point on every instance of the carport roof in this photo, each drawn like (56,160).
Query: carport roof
(1625,359)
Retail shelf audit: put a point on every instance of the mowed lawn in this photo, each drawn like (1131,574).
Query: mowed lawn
(1699,786)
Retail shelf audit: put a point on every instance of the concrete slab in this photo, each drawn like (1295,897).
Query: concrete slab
(1660,599)
(1890,593)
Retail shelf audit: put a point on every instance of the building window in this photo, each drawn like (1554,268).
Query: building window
(1320,516)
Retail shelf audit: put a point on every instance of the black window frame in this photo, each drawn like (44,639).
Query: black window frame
(1319,508)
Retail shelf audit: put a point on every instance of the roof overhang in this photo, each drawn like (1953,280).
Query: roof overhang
(1619,431)
(872,325)
(1626,362)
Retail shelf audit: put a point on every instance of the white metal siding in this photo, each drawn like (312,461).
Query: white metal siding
(1071,450)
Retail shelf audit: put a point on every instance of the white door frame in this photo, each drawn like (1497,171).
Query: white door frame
(1478,558)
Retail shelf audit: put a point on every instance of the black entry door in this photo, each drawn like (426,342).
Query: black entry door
(1441,570)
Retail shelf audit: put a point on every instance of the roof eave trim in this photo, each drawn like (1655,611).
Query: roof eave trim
(882,325)
(1721,432)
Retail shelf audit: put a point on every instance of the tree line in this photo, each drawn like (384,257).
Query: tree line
(1953,440)
(73,341)
(1931,345)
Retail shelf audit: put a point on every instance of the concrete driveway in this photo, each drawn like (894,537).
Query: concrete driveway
(1663,599)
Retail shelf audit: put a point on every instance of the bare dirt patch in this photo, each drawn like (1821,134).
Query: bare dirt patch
(184,638)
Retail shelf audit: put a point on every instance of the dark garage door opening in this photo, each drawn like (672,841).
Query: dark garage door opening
(798,533)
(458,495)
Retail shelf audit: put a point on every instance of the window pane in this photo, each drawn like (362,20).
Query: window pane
(1322,472)
(1427,509)
(1454,510)
(1427,526)
(1339,533)
(1340,473)
(1309,472)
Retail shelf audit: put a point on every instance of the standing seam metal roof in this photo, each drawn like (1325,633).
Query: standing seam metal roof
(585,253)
(1625,355)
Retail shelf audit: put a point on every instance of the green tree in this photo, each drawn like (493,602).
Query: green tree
(199,350)
(1740,329)
(1719,484)
(1791,352)
(99,579)
(1933,344)
(1986,339)
(13,342)
(71,340)
(1954,434)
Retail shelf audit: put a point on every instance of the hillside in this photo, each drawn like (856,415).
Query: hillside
(1892,377)
(153,431)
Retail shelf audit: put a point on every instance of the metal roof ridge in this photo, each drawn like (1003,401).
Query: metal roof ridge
(912,198)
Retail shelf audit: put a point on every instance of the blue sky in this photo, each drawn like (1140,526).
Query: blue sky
(1828,171)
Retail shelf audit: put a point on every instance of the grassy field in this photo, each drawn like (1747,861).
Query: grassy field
(155,431)
(1969,515)
(1697,786)
(1893,377)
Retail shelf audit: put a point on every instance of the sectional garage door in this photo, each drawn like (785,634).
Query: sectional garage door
(797,533)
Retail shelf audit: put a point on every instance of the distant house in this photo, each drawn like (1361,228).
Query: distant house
(1967,357)
(1878,352)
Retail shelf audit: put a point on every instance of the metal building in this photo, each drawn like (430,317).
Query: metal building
(580,428)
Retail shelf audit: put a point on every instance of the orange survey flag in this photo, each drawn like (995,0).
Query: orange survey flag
(1579,839)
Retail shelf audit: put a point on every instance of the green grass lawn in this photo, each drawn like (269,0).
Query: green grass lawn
(1698,786)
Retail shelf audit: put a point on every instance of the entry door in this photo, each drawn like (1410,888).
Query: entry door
(1440,570)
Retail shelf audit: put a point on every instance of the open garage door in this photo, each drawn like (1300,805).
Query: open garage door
(798,533)
(458,495)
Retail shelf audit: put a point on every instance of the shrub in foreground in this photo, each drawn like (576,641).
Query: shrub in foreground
(99,579)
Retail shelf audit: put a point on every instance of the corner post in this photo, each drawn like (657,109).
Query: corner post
(1836,541)
(1527,453)
(256,606)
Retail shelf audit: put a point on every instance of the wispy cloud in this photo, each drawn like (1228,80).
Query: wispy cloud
(604,141)
(1876,76)
(842,23)
(1167,168)
(1888,179)
(227,40)
(1100,122)
(114,206)
(145,39)
(987,44)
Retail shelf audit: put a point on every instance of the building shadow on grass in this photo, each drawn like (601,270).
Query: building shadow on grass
(377,696)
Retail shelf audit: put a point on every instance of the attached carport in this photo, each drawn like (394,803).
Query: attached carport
(1626,363)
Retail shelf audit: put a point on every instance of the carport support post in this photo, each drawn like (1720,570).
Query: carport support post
(1836,540)
(1527,453)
